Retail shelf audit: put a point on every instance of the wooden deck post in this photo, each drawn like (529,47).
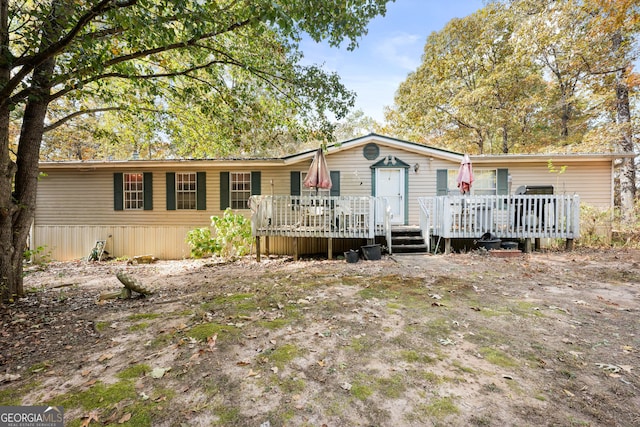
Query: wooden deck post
(330,248)
(266,246)
(527,245)
(295,248)
(258,248)
(568,245)
(447,246)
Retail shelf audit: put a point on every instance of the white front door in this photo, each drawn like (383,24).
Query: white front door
(390,186)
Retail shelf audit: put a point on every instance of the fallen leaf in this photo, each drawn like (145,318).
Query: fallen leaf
(243,363)
(126,417)
(106,356)
(274,369)
(321,363)
(211,342)
(85,372)
(90,383)
(93,416)
(252,373)
(159,372)
(568,393)
(346,386)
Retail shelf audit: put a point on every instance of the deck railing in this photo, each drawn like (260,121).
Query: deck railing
(511,216)
(314,216)
(426,207)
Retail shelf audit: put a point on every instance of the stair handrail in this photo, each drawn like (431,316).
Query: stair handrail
(425,220)
(388,214)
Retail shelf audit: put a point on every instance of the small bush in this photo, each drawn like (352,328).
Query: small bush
(231,237)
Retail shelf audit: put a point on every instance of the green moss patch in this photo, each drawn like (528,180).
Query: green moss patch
(135,371)
(497,357)
(280,356)
(205,330)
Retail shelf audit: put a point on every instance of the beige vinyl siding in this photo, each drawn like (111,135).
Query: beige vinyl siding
(68,242)
(590,180)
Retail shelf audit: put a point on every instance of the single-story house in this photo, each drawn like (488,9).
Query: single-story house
(144,207)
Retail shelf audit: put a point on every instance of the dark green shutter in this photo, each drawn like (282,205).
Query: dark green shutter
(442,176)
(295,183)
(201,188)
(118,192)
(256,183)
(171,191)
(502,183)
(147,190)
(225,201)
(335,183)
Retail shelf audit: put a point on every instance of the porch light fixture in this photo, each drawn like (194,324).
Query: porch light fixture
(416,167)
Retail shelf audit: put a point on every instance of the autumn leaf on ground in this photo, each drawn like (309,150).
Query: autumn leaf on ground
(126,417)
(104,357)
(211,342)
(93,416)
(159,372)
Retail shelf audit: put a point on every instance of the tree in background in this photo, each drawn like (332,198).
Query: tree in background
(107,52)
(472,89)
(616,25)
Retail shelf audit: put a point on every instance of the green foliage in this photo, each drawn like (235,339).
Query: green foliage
(232,234)
(201,243)
(231,237)
(41,254)
(595,226)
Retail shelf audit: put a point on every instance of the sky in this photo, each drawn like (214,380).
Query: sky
(391,50)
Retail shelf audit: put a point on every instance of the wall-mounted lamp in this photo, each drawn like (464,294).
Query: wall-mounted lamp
(416,167)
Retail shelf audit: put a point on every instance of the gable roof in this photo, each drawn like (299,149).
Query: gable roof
(382,140)
(362,141)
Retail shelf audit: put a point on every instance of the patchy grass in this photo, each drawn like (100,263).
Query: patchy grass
(497,357)
(438,408)
(138,327)
(143,316)
(12,396)
(206,330)
(281,356)
(98,396)
(135,371)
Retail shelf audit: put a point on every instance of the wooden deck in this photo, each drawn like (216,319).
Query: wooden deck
(443,217)
(331,217)
(506,217)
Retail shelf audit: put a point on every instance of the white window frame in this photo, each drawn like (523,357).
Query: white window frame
(133,191)
(186,191)
(239,190)
(480,180)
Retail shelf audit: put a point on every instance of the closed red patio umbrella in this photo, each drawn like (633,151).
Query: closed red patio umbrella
(318,175)
(465,175)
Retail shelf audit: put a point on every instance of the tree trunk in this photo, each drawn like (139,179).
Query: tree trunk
(7,166)
(505,139)
(628,166)
(20,180)
(625,142)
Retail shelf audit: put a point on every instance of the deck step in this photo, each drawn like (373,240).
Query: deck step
(407,239)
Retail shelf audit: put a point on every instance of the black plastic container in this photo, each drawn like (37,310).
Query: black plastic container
(488,241)
(371,252)
(352,256)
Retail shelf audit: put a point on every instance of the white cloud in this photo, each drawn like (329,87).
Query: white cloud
(401,50)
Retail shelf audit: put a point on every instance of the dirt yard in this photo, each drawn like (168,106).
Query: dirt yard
(546,339)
